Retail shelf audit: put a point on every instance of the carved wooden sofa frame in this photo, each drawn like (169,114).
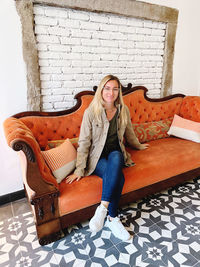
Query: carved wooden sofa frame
(43,195)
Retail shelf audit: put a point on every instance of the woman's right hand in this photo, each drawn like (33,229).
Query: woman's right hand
(72,177)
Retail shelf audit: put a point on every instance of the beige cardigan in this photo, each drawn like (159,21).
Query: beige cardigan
(92,139)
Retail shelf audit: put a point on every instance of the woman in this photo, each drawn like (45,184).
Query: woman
(101,151)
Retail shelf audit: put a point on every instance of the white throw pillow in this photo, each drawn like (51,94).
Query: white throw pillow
(186,129)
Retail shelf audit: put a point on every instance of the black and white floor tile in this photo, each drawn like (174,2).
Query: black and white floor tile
(165,230)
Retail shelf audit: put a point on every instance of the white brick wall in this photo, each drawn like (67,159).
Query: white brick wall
(77,49)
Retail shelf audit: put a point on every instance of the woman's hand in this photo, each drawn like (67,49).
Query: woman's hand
(71,178)
(143,146)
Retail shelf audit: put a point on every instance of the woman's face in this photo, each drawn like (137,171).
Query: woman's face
(110,91)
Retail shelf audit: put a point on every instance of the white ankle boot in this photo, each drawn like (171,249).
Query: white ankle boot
(97,221)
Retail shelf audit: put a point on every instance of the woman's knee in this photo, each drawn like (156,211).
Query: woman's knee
(116,157)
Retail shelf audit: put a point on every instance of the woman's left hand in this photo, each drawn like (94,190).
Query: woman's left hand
(143,146)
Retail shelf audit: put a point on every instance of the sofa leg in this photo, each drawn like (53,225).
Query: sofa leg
(49,232)
(45,240)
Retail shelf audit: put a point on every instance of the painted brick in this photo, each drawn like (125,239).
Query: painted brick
(41,29)
(74,70)
(62,105)
(135,22)
(90,42)
(69,23)
(109,57)
(118,20)
(59,63)
(70,55)
(92,57)
(62,77)
(47,106)
(144,31)
(46,92)
(158,32)
(78,15)
(77,48)
(73,84)
(43,63)
(99,18)
(136,37)
(48,55)
(56,12)
(42,47)
(118,36)
(109,43)
(89,25)
(50,84)
(63,91)
(52,98)
(47,70)
(70,41)
(56,30)
(41,20)
(101,35)
(81,49)
(38,10)
(45,77)
(107,27)
(126,29)
(59,48)
(83,63)
(80,34)
(48,39)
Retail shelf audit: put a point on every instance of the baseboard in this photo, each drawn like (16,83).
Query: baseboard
(12,197)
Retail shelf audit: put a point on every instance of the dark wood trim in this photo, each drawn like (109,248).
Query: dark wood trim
(158,187)
(4,199)
(135,88)
(126,90)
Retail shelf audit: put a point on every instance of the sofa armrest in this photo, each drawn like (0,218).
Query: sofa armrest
(19,137)
(40,186)
(190,108)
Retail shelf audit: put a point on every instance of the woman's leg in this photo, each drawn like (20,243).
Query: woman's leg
(110,170)
(97,221)
(113,181)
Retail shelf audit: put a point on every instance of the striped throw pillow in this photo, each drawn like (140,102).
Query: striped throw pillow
(61,159)
(186,129)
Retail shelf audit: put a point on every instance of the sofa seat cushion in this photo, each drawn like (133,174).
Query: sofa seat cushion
(163,159)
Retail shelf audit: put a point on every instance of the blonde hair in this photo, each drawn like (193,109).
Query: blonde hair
(97,103)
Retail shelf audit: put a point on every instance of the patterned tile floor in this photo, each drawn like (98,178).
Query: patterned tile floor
(165,229)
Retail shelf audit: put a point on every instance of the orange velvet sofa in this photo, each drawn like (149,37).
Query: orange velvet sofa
(167,162)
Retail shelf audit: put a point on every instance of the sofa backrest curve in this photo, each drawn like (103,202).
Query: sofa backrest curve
(46,127)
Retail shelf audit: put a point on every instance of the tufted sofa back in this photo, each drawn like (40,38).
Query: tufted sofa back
(190,108)
(141,109)
(144,110)
(50,128)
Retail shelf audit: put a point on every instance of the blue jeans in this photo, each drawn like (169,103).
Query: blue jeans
(110,170)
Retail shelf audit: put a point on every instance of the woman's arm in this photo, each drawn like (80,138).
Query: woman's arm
(130,136)
(83,148)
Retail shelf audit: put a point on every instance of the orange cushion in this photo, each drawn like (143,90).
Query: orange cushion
(163,159)
(149,131)
(61,160)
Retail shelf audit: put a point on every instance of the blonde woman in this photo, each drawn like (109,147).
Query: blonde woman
(106,122)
